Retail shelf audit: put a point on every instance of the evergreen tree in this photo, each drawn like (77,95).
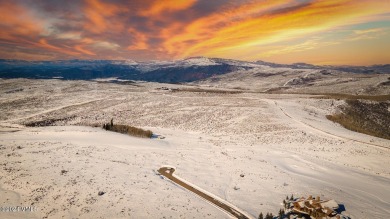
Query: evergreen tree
(292,198)
(267,216)
(283,213)
(261,215)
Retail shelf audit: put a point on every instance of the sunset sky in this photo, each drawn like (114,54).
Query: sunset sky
(338,32)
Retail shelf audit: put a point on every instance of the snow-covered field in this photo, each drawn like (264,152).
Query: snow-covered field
(250,149)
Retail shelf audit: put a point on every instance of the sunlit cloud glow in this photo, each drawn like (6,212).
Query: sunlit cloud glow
(282,31)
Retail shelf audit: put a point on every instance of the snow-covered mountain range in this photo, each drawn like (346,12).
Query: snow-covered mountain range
(177,71)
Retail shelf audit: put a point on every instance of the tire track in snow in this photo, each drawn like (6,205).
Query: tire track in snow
(53,110)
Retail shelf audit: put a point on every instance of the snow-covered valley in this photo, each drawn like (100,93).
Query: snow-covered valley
(251,149)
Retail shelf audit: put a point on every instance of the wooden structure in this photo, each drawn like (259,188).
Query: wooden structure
(315,208)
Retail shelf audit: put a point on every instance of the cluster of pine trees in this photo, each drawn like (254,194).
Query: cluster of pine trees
(267,216)
(282,213)
(287,202)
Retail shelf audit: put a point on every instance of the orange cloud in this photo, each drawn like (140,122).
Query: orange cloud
(139,40)
(181,37)
(242,35)
(44,44)
(16,22)
(99,15)
(83,50)
(158,7)
(21,30)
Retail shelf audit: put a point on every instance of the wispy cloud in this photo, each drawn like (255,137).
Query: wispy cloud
(369,31)
(366,34)
(297,47)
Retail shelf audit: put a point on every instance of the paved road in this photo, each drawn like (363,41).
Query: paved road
(168,173)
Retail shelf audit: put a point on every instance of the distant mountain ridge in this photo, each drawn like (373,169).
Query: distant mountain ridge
(178,71)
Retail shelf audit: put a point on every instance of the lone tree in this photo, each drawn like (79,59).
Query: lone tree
(261,215)
(109,126)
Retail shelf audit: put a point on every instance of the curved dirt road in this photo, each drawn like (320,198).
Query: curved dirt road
(168,173)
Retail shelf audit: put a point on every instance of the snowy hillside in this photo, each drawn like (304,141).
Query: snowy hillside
(250,149)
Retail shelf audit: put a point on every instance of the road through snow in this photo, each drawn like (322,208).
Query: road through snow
(221,204)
